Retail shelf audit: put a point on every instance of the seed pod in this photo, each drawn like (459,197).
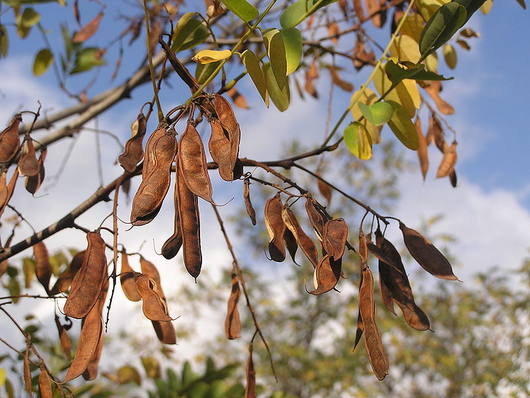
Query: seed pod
(27,373)
(233,321)
(326,274)
(28,165)
(290,243)
(448,161)
(91,371)
(335,237)
(172,245)
(220,150)
(133,152)
(426,254)
(9,139)
(423,154)
(149,269)
(6,192)
(66,345)
(190,224)
(154,306)
(33,183)
(43,269)
(127,274)
(316,217)
(395,286)
(45,384)
(88,282)
(165,331)
(250,390)
(193,165)
(304,242)
(65,279)
(156,176)
(275,228)
(248,204)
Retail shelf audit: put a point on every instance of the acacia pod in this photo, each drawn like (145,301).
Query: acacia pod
(193,164)
(226,116)
(248,204)
(372,337)
(395,286)
(304,242)
(43,269)
(423,154)
(45,384)
(128,285)
(190,224)
(149,269)
(360,328)
(326,274)
(91,371)
(153,305)
(65,279)
(220,149)
(335,237)
(10,140)
(33,183)
(232,320)
(8,190)
(133,151)
(156,176)
(165,331)
(91,333)
(426,254)
(448,162)
(452,178)
(28,164)
(89,280)
(172,245)
(290,243)
(275,228)
(66,345)
(250,390)
(27,373)
(316,217)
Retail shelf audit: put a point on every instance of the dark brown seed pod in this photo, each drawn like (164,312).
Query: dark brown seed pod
(326,274)
(43,269)
(220,149)
(448,161)
(232,131)
(172,245)
(127,274)
(6,191)
(28,164)
(89,280)
(65,279)
(66,345)
(154,306)
(426,254)
(133,151)
(304,242)
(33,183)
(316,217)
(10,140)
(250,389)
(165,331)
(232,320)
(248,204)
(335,237)
(275,228)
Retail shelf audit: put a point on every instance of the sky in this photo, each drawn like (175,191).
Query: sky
(488,213)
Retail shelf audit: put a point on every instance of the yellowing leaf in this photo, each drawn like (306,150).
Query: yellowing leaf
(281,97)
(43,61)
(486,7)
(208,56)
(450,56)
(129,374)
(251,62)
(413,26)
(242,9)
(405,48)
(189,32)
(367,97)
(358,140)
(277,55)
(292,40)
(402,127)
(378,113)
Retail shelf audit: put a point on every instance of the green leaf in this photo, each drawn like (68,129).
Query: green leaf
(129,374)
(86,59)
(4,41)
(298,11)
(242,8)
(397,73)
(276,52)
(28,268)
(203,71)
(471,6)
(402,126)
(281,97)
(10,389)
(450,56)
(378,113)
(190,32)
(251,62)
(43,61)
(521,3)
(441,27)
(292,40)
(29,17)
(188,375)
(358,140)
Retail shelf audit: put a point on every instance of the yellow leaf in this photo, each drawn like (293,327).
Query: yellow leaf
(358,141)
(208,56)
(405,48)
(368,97)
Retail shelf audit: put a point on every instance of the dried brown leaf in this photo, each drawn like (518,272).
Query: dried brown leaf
(88,30)
(334,31)
(338,81)
(434,89)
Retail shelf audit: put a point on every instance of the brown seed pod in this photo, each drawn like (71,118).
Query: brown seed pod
(326,274)
(154,306)
(426,254)
(133,151)
(33,183)
(165,331)
(232,131)
(423,154)
(316,217)
(290,243)
(6,192)
(45,384)
(9,139)
(275,228)
(335,237)
(193,164)
(149,269)
(172,245)
(65,279)
(250,390)
(28,165)
(190,224)
(156,176)
(248,204)
(232,320)
(89,280)
(66,345)
(448,162)
(220,149)
(127,274)
(43,269)
(91,371)
(395,285)
(304,242)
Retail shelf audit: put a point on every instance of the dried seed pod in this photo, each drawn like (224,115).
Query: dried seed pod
(448,161)
(248,204)
(172,245)
(335,237)
(316,217)
(326,274)
(149,269)
(304,242)
(290,243)
(65,279)
(89,280)
(232,131)
(220,149)
(43,269)
(426,254)
(45,384)
(91,371)
(133,151)
(395,285)
(250,390)
(66,345)
(423,154)
(193,164)
(127,274)
(33,183)
(6,192)
(28,165)
(156,176)
(275,228)
(9,139)
(153,305)
(165,331)
(233,321)
(190,224)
